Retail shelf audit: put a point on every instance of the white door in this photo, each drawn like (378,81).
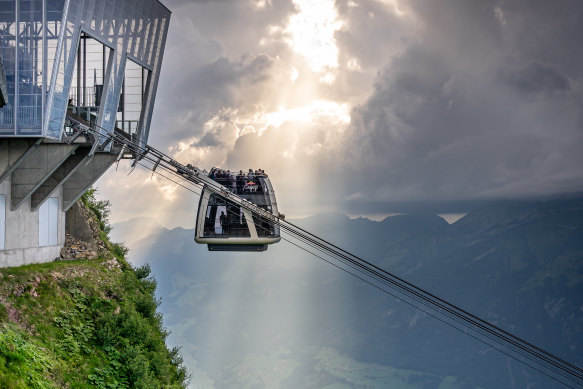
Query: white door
(48,214)
(2,220)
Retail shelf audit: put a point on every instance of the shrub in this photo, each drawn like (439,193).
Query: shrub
(101,208)
(143,271)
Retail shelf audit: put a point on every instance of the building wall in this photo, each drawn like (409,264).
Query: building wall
(21,232)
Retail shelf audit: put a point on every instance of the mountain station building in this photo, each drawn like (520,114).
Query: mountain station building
(95,60)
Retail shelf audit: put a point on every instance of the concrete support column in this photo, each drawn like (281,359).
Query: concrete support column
(83,177)
(75,161)
(36,168)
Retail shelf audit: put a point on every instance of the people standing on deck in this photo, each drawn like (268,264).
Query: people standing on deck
(223,177)
(235,182)
(229,181)
(240,181)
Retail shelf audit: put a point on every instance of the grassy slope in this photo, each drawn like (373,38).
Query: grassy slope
(84,323)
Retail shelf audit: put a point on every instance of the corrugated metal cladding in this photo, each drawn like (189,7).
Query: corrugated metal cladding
(39,41)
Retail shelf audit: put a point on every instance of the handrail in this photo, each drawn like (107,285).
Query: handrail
(3,86)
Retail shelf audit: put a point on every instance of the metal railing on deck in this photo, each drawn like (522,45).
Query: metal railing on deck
(7,115)
(128,126)
(30,115)
(87,96)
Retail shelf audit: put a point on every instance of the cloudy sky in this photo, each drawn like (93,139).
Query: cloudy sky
(359,105)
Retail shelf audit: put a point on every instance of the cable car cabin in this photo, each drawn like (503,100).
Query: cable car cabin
(225,226)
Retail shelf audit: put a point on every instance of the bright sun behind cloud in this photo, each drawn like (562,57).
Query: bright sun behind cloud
(312,112)
(311,32)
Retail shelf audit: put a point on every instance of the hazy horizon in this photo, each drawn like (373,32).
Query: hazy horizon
(450,211)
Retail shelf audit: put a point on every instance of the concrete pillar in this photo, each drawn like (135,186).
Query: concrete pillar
(13,152)
(75,161)
(36,168)
(84,177)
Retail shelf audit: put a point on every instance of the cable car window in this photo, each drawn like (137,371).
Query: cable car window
(224,219)
(264,188)
(264,228)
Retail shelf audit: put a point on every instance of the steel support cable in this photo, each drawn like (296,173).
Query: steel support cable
(384,282)
(479,324)
(449,323)
(491,337)
(338,251)
(160,159)
(511,338)
(380,279)
(464,323)
(444,308)
(474,323)
(170,179)
(171,171)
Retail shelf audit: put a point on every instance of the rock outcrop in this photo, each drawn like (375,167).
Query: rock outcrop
(82,238)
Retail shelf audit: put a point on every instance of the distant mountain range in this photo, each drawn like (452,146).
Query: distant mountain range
(286,319)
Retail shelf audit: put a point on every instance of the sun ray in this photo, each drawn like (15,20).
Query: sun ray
(311,33)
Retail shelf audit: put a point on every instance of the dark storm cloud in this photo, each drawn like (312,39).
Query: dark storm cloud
(371,33)
(208,140)
(535,77)
(452,116)
(217,79)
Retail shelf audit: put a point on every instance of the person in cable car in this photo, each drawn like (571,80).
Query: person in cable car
(240,181)
(223,221)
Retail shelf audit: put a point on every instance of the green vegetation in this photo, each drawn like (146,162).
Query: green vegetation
(85,323)
(99,210)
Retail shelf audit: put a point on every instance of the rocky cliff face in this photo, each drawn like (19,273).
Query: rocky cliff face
(82,235)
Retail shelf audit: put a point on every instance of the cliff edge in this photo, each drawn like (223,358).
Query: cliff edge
(88,321)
